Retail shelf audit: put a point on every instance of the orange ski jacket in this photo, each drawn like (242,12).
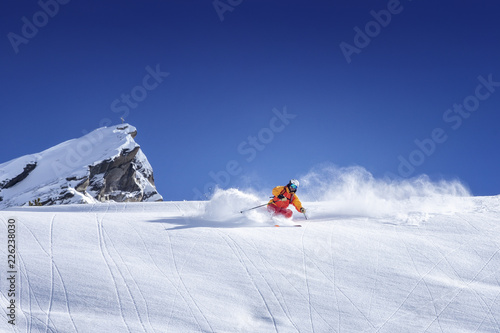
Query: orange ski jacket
(290,196)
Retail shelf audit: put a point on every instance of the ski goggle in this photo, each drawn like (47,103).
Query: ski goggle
(293,186)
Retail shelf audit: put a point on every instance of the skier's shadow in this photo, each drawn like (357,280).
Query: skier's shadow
(179,223)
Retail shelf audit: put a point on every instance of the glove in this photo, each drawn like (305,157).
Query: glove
(282,197)
(303,210)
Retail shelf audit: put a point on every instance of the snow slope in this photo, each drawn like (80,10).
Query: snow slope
(203,267)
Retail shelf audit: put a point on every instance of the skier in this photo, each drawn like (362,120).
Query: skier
(284,196)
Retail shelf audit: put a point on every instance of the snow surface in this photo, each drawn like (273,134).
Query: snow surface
(418,259)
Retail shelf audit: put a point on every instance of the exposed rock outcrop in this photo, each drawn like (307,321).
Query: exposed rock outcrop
(13,181)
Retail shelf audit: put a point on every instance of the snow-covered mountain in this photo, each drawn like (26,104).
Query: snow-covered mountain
(416,263)
(106,164)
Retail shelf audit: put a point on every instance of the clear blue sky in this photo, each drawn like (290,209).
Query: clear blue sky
(68,67)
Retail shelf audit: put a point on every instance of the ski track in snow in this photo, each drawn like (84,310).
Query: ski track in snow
(185,288)
(161,271)
(256,267)
(456,292)
(252,280)
(327,277)
(102,247)
(306,278)
(270,268)
(172,256)
(489,311)
(334,278)
(462,288)
(416,284)
(51,298)
(422,278)
(307,299)
(123,277)
(54,269)
(124,264)
(112,263)
(375,283)
(336,288)
(30,292)
(239,252)
(157,267)
(179,292)
(457,275)
(164,275)
(152,260)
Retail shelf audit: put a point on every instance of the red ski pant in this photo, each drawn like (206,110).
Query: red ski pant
(279,211)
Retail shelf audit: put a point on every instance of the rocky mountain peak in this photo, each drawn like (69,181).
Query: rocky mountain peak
(106,164)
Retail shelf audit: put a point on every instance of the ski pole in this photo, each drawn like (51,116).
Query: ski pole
(305,215)
(246,210)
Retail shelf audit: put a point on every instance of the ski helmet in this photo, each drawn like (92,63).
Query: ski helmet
(294,182)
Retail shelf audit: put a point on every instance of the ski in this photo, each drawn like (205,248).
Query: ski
(288,225)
